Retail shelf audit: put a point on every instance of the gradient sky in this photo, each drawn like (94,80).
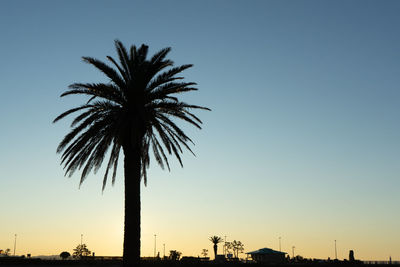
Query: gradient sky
(302,143)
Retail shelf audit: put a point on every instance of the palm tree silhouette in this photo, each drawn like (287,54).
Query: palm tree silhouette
(215,240)
(134,111)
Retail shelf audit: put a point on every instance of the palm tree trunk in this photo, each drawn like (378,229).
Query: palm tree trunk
(131,254)
(215,251)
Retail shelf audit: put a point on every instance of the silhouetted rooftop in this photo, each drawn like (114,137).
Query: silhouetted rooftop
(266,251)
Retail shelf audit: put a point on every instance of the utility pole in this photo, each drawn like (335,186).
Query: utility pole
(279,244)
(164,250)
(155,245)
(224,246)
(81,239)
(15,242)
(335,251)
(293,251)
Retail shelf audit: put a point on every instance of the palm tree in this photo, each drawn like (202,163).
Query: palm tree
(215,240)
(134,111)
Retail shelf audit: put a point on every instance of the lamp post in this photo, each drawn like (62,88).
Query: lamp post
(164,250)
(81,239)
(224,247)
(335,251)
(155,245)
(279,244)
(293,251)
(15,242)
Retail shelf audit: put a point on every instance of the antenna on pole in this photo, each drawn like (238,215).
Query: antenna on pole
(15,242)
(224,247)
(155,245)
(279,244)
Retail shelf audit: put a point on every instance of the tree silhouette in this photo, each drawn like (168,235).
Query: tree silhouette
(81,251)
(228,247)
(174,255)
(204,252)
(215,240)
(134,111)
(7,252)
(64,255)
(237,247)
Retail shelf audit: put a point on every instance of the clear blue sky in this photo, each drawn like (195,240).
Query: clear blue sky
(302,142)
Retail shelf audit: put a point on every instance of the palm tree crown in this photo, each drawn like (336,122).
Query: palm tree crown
(215,239)
(133,110)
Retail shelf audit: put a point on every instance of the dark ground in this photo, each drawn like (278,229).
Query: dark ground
(117,263)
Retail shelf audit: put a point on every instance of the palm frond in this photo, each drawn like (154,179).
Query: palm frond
(167,76)
(72,110)
(160,55)
(106,91)
(108,71)
(123,58)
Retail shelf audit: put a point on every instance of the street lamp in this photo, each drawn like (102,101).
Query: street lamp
(81,239)
(224,247)
(279,244)
(335,251)
(155,245)
(15,242)
(293,251)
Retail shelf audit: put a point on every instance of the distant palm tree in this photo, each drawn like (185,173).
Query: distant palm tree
(134,111)
(215,240)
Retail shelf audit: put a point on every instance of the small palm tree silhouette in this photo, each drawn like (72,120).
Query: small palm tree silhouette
(215,240)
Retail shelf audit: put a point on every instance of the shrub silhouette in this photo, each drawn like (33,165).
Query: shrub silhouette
(174,255)
(65,255)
